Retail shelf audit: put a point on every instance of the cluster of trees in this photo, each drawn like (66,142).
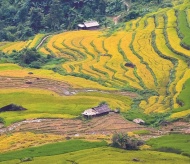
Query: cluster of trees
(20,19)
(142,7)
(30,58)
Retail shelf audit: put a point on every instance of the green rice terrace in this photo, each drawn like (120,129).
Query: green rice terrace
(93,96)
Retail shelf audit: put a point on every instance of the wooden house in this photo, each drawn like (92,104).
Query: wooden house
(89,25)
(97,111)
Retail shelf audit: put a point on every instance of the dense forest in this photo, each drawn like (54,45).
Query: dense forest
(20,19)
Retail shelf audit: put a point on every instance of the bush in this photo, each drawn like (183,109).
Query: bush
(123,141)
(1,120)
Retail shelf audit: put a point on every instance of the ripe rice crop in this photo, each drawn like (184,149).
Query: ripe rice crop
(17,46)
(36,40)
(173,37)
(44,51)
(25,139)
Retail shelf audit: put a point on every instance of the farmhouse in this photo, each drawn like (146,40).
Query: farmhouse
(97,111)
(89,25)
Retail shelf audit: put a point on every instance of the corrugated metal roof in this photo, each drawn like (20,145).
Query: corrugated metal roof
(91,24)
(81,25)
(102,109)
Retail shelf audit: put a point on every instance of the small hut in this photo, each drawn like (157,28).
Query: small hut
(97,111)
(89,25)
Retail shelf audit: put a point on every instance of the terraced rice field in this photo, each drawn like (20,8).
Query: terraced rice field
(143,68)
(152,44)
(147,57)
(22,140)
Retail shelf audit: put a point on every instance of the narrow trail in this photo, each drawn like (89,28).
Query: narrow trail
(43,40)
(127,4)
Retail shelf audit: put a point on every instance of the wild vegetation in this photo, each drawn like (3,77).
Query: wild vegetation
(24,18)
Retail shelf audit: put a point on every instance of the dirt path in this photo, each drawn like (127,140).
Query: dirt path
(43,40)
(127,4)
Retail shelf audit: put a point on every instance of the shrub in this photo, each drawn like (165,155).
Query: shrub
(1,120)
(123,141)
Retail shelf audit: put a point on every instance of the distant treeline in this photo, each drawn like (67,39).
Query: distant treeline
(20,19)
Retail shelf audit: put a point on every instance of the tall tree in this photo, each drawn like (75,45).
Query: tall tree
(36,18)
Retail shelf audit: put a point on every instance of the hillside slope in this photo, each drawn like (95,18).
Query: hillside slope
(149,56)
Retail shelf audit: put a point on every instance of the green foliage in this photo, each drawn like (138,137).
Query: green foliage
(175,143)
(184,29)
(51,149)
(123,141)
(152,119)
(1,120)
(21,19)
(140,8)
(31,58)
(183,98)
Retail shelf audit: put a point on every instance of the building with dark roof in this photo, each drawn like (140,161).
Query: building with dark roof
(97,111)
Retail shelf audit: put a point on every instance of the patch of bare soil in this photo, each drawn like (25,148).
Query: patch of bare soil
(176,127)
(58,87)
(107,125)
(98,126)
(33,82)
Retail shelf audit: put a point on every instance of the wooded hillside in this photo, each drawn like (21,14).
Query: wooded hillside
(20,19)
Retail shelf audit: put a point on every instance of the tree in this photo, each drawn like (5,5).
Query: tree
(55,15)
(122,140)
(36,18)
(119,140)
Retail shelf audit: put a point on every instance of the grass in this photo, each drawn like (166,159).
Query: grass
(185,100)
(46,104)
(51,149)
(184,28)
(152,119)
(5,67)
(107,155)
(175,143)
(141,132)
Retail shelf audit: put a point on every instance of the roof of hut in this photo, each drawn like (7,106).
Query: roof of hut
(89,112)
(91,24)
(104,108)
